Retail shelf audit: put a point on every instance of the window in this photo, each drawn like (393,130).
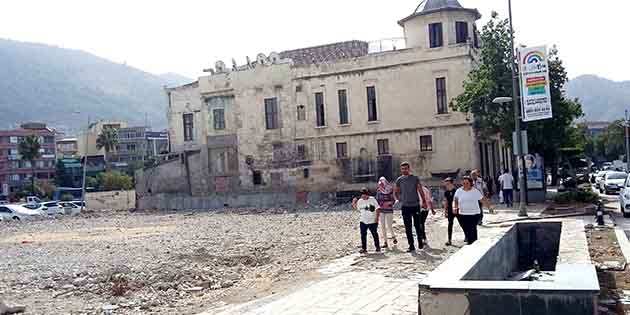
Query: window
(14,177)
(440,92)
(301,112)
(5,210)
(426,143)
(13,139)
(319,109)
(39,164)
(188,127)
(343,107)
(131,147)
(371,102)
(271,113)
(475,37)
(257,177)
(218,117)
(435,35)
(461,32)
(383,146)
(342,150)
(301,152)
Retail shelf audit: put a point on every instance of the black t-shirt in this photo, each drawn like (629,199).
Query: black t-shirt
(449,195)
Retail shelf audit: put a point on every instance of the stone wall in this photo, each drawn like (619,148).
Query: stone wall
(111,200)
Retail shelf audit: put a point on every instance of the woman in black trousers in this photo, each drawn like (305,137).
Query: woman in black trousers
(466,205)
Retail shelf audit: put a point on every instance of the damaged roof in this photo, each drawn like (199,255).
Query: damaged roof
(327,53)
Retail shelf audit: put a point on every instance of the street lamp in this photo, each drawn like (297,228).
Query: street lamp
(85,157)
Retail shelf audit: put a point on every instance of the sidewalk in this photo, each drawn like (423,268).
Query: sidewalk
(375,284)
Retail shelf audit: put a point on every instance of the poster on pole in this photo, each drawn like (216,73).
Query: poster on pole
(536,97)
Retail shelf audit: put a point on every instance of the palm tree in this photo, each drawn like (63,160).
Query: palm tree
(29,148)
(108,139)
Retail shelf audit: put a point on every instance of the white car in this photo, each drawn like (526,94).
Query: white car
(612,182)
(624,198)
(599,177)
(17,213)
(46,208)
(68,207)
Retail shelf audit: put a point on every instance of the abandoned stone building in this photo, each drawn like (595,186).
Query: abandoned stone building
(304,123)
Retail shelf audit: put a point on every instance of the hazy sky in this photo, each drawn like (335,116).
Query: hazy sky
(186,36)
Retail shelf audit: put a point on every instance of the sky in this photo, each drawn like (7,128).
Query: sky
(186,36)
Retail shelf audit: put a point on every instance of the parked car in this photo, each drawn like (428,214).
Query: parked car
(17,212)
(79,203)
(599,177)
(612,182)
(624,198)
(68,207)
(46,208)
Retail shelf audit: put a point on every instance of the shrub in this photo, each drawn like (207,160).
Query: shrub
(586,195)
(67,197)
(115,181)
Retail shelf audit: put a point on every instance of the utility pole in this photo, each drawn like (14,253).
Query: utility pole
(626,122)
(85,158)
(517,122)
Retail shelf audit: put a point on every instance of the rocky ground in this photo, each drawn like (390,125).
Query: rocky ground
(166,263)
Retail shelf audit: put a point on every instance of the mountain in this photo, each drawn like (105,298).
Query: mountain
(602,99)
(61,87)
(173,79)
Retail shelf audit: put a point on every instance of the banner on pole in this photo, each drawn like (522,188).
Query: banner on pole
(536,97)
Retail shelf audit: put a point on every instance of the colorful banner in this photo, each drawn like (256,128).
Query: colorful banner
(535,94)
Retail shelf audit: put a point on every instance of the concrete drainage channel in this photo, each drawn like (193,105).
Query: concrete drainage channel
(533,268)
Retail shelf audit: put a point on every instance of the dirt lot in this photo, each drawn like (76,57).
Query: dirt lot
(165,263)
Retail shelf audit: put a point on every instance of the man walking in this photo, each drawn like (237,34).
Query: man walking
(507,186)
(407,191)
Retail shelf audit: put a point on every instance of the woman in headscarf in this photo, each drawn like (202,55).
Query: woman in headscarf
(385,198)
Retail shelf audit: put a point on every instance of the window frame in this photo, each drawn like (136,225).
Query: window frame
(218,124)
(342,100)
(372,103)
(272,120)
(436,35)
(301,152)
(301,112)
(382,146)
(342,150)
(441,95)
(461,32)
(426,146)
(320,109)
(188,126)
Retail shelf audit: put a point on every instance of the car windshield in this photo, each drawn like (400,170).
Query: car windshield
(616,176)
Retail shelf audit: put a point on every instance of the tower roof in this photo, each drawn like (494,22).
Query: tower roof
(433,6)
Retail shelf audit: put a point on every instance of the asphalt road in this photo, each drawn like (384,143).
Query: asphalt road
(612,202)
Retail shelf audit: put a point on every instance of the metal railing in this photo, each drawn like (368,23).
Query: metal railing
(387,44)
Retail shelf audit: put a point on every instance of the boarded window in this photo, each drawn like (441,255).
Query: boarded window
(301,152)
(271,113)
(371,103)
(461,32)
(319,109)
(218,115)
(383,146)
(440,92)
(301,112)
(435,35)
(343,107)
(342,150)
(426,143)
(188,126)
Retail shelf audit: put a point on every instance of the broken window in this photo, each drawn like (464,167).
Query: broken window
(440,92)
(343,107)
(271,113)
(188,126)
(301,112)
(435,35)
(383,146)
(218,117)
(342,150)
(461,32)
(301,152)
(257,177)
(426,143)
(371,102)
(319,109)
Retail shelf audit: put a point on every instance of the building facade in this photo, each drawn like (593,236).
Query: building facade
(16,172)
(67,147)
(336,117)
(139,144)
(88,146)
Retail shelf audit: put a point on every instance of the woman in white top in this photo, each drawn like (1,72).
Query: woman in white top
(466,204)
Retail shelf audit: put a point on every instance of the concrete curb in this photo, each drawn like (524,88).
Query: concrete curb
(623,242)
